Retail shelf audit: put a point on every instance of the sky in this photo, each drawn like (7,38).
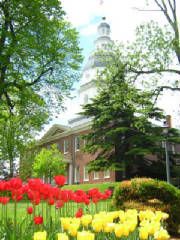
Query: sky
(123,17)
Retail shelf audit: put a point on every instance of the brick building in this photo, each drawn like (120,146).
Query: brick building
(68,138)
(68,141)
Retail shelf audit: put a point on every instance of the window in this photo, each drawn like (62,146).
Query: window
(66,146)
(85,98)
(77,143)
(85,142)
(87,75)
(173,149)
(96,175)
(77,174)
(58,146)
(86,175)
(107,174)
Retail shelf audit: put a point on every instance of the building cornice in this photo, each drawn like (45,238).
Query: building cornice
(71,131)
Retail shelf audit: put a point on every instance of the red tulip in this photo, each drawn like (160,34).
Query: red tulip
(60,180)
(17,195)
(51,201)
(95,200)
(79,213)
(61,203)
(45,190)
(87,201)
(93,192)
(15,183)
(36,201)
(34,184)
(30,210)
(4,200)
(38,220)
(108,193)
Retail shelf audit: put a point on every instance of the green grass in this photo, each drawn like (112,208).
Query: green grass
(101,186)
(68,210)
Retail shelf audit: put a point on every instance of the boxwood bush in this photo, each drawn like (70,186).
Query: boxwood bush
(147,193)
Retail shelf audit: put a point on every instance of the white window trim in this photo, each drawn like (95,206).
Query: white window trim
(85,179)
(76,180)
(95,176)
(64,146)
(108,175)
(76,150)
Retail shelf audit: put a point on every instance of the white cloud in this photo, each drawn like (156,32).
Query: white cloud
(122,15)
(89,30)
(81,12)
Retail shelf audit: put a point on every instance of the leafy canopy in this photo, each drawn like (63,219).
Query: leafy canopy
(39,53)
(49,162)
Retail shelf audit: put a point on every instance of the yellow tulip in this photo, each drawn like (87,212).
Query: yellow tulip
(86,220)
(118,230)
(65,222)
(125,230)
(62,236)
(109,227)
(85,235)
(73,228)
(40,235)
(143,233)
(97,225)
(162,234)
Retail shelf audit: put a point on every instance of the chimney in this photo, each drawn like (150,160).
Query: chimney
(168,121)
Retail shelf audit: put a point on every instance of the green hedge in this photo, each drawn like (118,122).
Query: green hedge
(146,189)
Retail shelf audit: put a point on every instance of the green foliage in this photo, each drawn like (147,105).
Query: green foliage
(122,132)
(49,163)
(39,59)
(39,53)
(150,193)
(17,129)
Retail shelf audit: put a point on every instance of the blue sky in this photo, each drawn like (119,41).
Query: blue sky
(123,17)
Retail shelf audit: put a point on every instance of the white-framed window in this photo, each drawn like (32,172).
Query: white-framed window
(86,174)
(96,175)
(77,174)
(77,143)
(66,146)
(107,174)
(58,146)
(86,98)
(85,142)
(173,149)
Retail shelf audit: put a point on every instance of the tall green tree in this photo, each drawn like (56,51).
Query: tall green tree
(123,136)
(49,163)
(39,53)
(39,59)
(17,129)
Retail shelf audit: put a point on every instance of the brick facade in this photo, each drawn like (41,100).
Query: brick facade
(76,158)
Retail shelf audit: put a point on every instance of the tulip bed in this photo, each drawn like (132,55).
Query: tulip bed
(56,214)
(112,225)
(44,205)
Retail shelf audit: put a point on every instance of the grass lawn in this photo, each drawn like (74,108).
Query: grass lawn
(101,186)
(69,209)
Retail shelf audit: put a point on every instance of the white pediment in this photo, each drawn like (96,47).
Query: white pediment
(56,129)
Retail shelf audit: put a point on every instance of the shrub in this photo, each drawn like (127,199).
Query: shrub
(141,193)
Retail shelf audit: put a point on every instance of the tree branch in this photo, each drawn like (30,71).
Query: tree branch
(154,71)
(36,80)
